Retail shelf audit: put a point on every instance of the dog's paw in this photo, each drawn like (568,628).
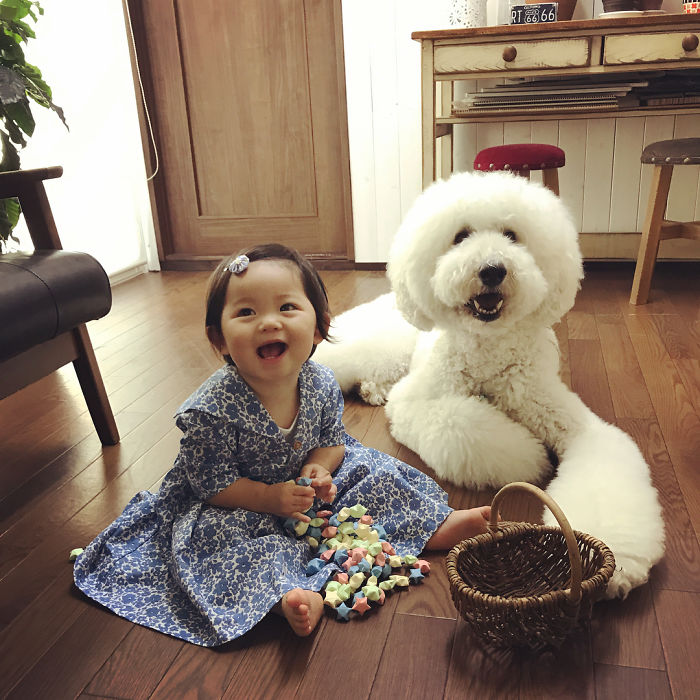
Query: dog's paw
(622,582)
(373,393)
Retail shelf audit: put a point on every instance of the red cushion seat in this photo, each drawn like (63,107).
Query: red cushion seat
(519,157)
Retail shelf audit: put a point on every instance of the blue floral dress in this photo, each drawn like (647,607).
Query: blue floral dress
(207,574)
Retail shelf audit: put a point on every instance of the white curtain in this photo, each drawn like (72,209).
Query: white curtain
(101,203)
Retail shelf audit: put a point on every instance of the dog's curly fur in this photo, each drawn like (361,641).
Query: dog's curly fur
(481,268)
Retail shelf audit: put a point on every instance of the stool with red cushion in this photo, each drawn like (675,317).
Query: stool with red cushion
(521,158)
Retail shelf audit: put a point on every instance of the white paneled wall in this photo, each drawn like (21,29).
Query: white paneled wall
(603,184)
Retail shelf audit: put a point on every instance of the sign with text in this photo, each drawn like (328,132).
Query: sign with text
(532,14)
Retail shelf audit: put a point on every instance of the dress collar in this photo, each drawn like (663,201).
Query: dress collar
(226,395)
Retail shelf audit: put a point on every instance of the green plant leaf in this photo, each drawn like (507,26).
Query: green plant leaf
(13,131)
(16,8)
(10,156)
(5,227)
(21,115)
(13,209)
(12,86)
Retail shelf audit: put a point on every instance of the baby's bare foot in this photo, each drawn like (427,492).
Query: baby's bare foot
(303,610)
(458,526)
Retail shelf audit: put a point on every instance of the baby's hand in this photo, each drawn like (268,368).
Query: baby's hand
(321,481)
(288,500)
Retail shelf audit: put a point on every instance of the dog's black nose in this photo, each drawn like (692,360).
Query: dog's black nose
(492,275)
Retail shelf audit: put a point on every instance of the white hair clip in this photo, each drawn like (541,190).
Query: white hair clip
(239,264)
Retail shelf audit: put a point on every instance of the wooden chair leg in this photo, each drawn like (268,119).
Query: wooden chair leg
(93,388)
(550,179)
(649,245)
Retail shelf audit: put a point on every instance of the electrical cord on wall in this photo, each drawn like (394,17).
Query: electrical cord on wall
(143,94)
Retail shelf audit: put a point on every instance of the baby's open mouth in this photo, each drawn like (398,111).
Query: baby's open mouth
(486,307)
(271,350)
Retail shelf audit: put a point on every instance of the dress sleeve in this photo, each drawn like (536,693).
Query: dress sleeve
(332,428)
(208,453)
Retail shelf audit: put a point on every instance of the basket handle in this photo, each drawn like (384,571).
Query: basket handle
(571,545)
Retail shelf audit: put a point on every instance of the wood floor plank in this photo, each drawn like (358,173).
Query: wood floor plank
(478,672)
(680,424)
(678,613)
(405,669)
(360,643)
(631,683)
(33,575)
(565,673)
(432,597)
(680,567)
(581,326)
(629,394)
(676,337)
(274,663)
(136,665)
(689,371)
(378,435)
(158,408)
(625,633)
(588,377)
(35,629)
(201,672)
(59,470)
(356,417)
(66,668)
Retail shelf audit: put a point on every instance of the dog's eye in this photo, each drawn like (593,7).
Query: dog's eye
(464,233)
(510,234)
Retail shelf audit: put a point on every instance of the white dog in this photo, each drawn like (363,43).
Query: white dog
(483,265)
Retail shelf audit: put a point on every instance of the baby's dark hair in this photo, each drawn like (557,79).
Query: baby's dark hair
(313,287)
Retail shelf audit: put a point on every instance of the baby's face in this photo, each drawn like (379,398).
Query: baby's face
(268,324)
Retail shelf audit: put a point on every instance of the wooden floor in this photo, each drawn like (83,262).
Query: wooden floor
(636,367)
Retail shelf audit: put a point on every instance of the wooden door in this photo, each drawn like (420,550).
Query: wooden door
(247,98)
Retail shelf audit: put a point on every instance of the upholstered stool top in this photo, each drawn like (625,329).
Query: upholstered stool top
(673,152)
(46,293)
(520,156)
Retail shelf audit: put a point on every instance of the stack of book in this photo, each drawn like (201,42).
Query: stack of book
(610,91)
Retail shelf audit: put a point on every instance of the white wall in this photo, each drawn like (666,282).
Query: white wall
(101,203)
(384,122)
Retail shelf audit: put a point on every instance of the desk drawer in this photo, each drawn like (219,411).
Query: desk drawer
(516,55)
(624,49)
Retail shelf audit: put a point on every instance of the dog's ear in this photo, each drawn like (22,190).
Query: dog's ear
(404,278)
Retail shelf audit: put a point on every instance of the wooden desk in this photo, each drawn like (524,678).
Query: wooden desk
(580,47)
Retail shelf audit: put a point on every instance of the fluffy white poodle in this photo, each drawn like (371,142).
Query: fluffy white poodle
(464,355)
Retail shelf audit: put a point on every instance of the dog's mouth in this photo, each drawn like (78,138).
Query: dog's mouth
(486,307)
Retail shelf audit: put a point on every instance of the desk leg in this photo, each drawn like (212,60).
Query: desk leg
(446,133)
(428,111)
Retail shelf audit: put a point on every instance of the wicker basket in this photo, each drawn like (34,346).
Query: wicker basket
(527,585)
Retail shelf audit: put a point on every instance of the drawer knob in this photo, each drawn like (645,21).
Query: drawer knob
(690,42)
(510,52)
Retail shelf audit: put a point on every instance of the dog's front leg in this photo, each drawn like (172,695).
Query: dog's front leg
(463,438)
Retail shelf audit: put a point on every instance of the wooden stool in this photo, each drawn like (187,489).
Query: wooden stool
(521,158)
(663,155)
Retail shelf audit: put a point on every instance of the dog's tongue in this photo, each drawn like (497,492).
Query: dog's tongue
(271,350)
(488,301)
